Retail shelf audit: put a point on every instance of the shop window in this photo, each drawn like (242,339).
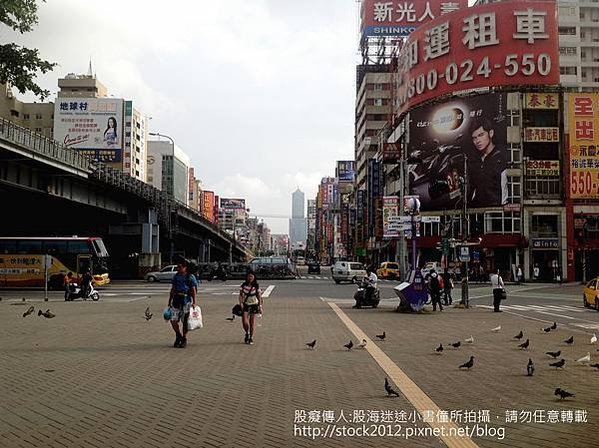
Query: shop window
(544,226)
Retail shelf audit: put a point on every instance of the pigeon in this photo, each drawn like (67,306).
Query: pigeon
(148,314)
(497,329)
(519,335)
(362,344)
(585,359)
(570,340)
(47,314)
(530,368)
(381,336)
(311,344)
(554,326)
(562,393)
(559,364)
(546,329)
(468,364)
(230,319)
(594,339)
(389,389)
(30,310)
(525,344)
(439,349)
(596,365)
(349,345)
(470,340)
(554,354)
(456,344)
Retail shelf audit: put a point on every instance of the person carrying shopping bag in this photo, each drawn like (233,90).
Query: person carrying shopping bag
(250,299)
(498,288)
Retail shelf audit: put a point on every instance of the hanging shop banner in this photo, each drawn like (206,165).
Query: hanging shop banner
(544,168)
(390,214)
(549,135)
(583,124)
(497,44)
(541,101)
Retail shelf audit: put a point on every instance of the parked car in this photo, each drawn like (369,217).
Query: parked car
(348,271)
(313,267)
(590,294)
(166,274)
(388,270)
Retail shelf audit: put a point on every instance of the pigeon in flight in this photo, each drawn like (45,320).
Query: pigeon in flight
(497,329)
(30,310)
(554,326)
(594,339)
(554,354)
(570,340)
(349,345)
(311,344)
(440,349)
(381,336)
(470,340)
(519,335)
(468,364)
(562,393)
(525,344)
(47,314)
(596,365)
(530,368)
(559,364)
(362,344)
(456,344)
(389,389)
(147,314)
(585,359)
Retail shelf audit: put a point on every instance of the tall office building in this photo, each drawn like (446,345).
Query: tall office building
(298,231)
(168,169)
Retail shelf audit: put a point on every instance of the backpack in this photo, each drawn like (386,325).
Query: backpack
(434,284)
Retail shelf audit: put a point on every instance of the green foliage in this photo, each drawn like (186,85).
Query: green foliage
(20,65)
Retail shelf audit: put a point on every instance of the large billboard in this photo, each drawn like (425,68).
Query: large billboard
(400,18)
(93,126)
(469,49)
(345,170)
(232,204)
(444,138)
(390,217)
(583,124)
(208,211)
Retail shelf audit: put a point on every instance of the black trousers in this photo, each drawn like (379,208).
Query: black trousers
(447,299)
(496,299)
(436,299)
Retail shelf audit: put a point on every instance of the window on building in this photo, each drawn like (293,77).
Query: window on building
(14,113)
(38,130)
(564,70)
(544,226)
(514,186)
(89,89)
(378,102)
(543,187)
(26,117)
(378,86)
(567,51)
(567,31)
(502,222)
(38,116)
(515,152)
(128,134)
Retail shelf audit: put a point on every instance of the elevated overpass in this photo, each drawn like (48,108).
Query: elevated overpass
(47,189)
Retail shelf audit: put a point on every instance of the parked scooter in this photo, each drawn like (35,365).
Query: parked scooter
(76,292)
(360,295)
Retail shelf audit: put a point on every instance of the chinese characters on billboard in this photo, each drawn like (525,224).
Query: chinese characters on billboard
(345,170)
(94,126)
(444,137)
(541,101)
(400,18)
(583,120)
(390,217)
(208,202)
(507,43)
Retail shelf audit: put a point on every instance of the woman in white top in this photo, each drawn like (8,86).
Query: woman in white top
(498,288)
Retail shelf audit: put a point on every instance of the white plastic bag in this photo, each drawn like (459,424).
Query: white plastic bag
(195,319)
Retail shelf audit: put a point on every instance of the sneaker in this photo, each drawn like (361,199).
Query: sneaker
(250,340)
(247,338)
(183,342)
(177,343)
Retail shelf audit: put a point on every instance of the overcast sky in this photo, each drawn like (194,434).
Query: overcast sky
(259,93)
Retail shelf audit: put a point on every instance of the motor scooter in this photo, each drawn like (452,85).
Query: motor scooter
(360,295)
(76,292)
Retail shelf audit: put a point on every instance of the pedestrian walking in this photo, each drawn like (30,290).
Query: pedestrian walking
(520,275)
(535,272)
(447,287)
(434,289)
(181,298)
(250,298)
(498,288)
(66,283)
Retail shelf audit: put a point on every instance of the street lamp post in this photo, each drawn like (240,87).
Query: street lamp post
(465,298)
(170,215)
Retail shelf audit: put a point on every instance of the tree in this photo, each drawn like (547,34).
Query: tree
(20,65)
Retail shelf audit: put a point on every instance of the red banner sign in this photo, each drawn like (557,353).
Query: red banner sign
(507,43)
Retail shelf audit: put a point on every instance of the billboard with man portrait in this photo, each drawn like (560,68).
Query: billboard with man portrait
(458,136)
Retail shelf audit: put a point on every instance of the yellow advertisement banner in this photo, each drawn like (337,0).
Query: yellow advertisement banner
(583,126)
(541,101)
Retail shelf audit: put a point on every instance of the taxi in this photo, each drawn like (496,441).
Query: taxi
(388,270)
(590,295)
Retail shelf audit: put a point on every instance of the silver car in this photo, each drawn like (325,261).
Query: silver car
(166,274)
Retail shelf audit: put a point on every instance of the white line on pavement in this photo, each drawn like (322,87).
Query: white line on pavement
(268,291)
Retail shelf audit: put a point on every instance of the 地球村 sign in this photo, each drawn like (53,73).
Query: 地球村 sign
(497,44)
(583,124)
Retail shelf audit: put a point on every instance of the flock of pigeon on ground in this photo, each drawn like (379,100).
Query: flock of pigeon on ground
(530,367)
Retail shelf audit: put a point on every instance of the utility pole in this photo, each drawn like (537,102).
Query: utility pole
(465,298)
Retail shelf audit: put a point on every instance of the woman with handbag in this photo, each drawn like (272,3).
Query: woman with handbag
(250,299)
(498,291)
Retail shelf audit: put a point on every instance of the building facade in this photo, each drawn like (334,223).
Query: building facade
(168,169)
(297,223)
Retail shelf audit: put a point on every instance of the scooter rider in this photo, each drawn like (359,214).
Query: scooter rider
(371,281)
(86,282)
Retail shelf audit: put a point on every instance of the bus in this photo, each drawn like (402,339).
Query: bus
(22,260)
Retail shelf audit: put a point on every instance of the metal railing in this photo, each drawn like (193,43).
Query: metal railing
(41,145)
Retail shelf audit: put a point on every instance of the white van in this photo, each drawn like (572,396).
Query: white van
(348,271)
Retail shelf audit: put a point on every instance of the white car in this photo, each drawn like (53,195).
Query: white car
(348,271)
(166,274)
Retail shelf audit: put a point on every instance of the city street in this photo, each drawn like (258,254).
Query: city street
(98,374)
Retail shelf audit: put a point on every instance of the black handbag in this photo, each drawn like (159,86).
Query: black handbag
(503,294)
(237,310)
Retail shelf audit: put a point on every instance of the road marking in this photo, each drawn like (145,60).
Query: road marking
(268,291)
(419,399)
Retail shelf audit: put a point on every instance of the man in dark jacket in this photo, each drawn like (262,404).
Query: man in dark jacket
(434,289)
